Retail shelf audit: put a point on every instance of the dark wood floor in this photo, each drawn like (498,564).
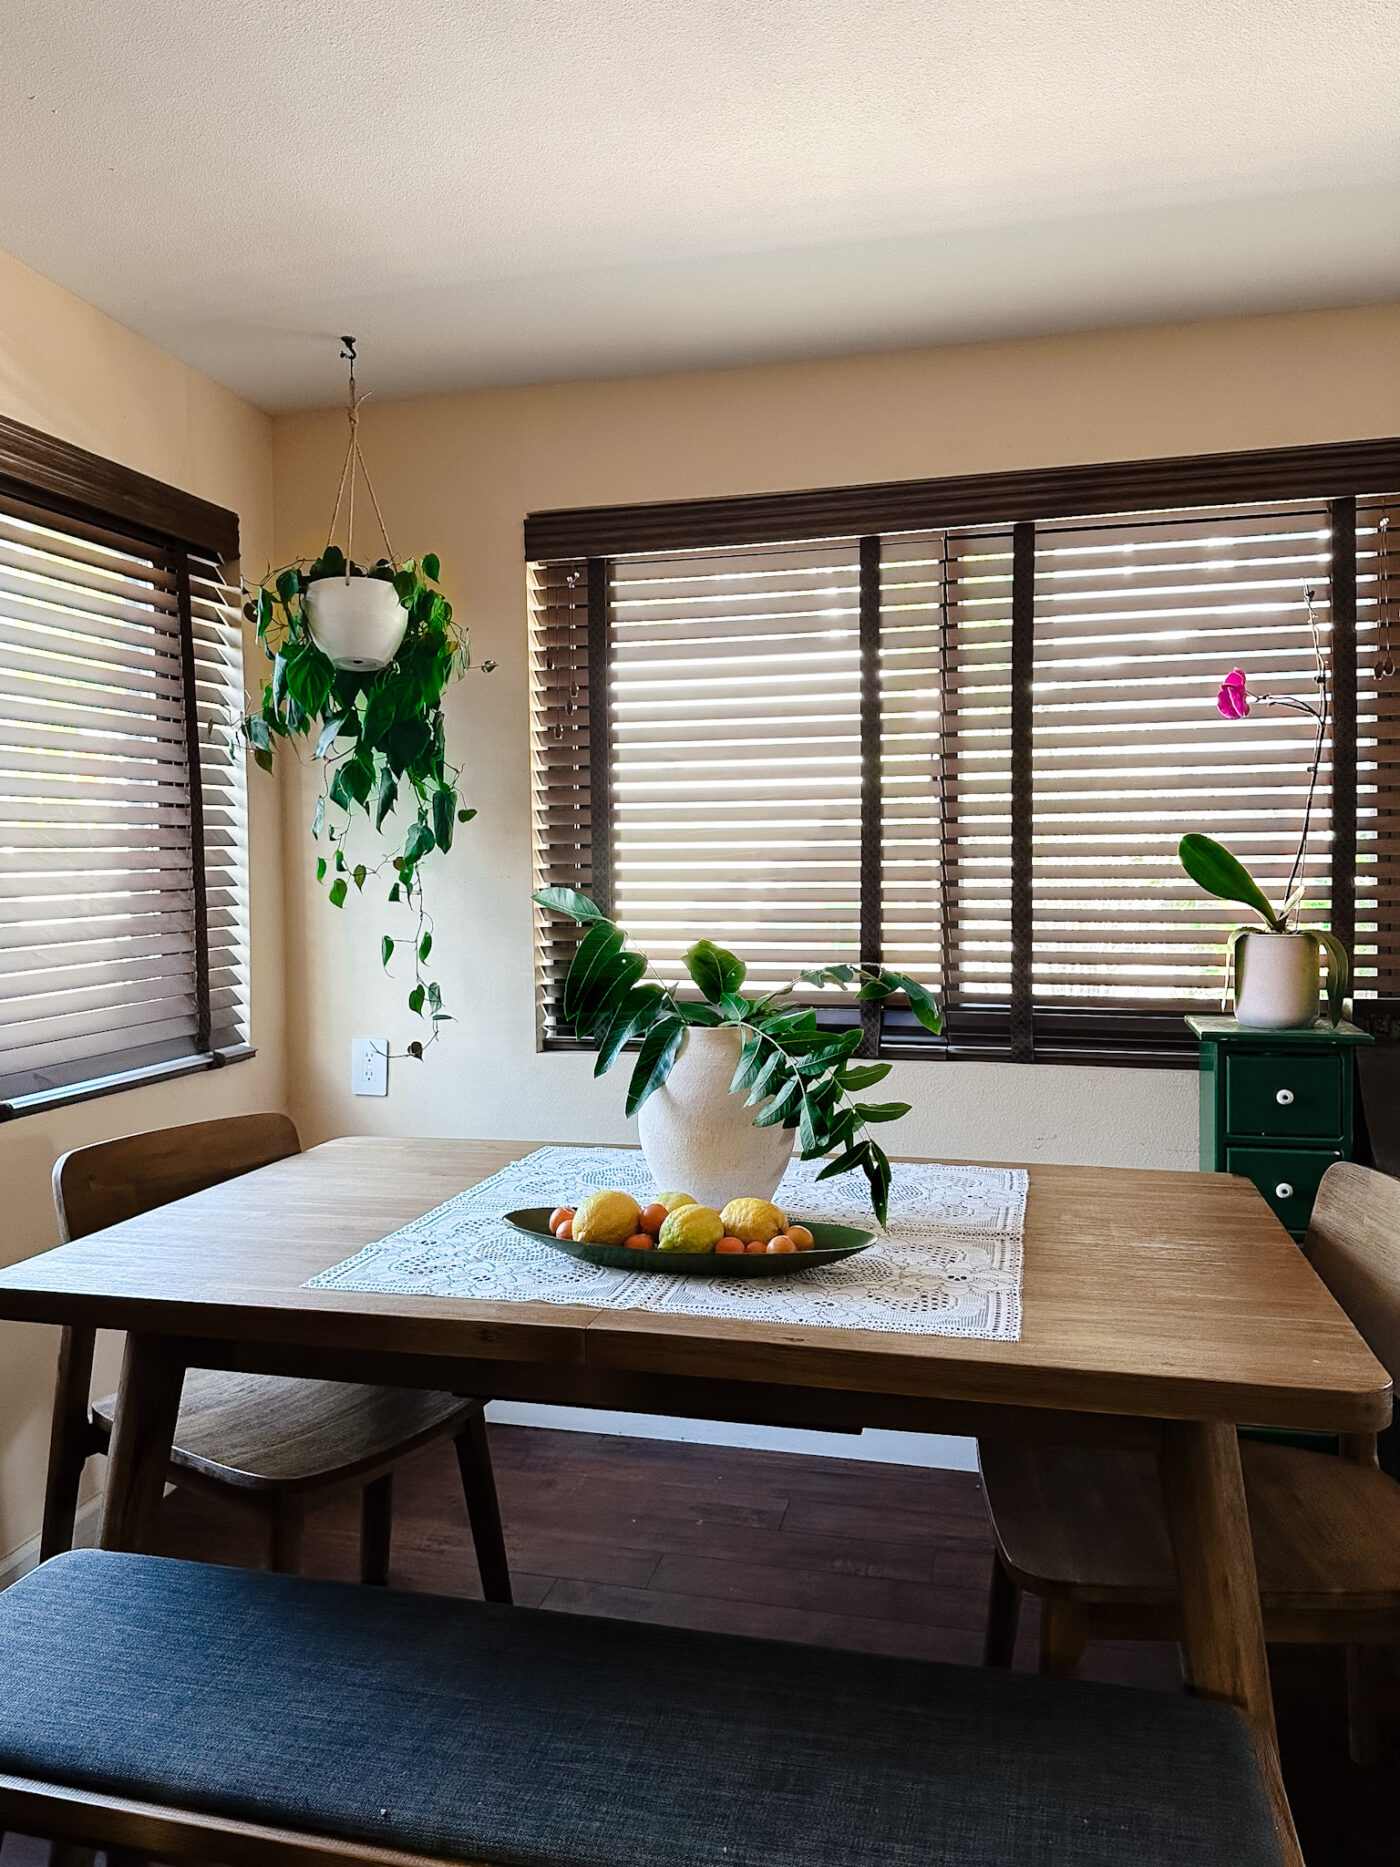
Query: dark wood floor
(882,1558)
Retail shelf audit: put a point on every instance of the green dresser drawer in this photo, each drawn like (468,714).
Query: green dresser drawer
(1285,1095)
(1287,1177)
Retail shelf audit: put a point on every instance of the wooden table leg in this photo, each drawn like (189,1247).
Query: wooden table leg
(148,1404)
(1203,1490)
(70,1439)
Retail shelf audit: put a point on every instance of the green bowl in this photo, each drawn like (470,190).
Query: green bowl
(830,1243)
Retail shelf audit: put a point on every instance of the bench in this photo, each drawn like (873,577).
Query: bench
(198,1713)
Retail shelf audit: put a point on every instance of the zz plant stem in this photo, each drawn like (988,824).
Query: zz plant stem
(804,1077)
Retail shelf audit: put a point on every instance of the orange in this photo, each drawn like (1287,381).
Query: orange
(653,1217)
(781,1243)
(640,1241)
(801,1237)
(730,1247)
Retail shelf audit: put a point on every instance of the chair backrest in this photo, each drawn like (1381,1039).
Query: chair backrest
(114,1180)
(1354,1245)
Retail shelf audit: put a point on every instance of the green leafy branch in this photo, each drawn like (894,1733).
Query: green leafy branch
(790,1069)
(379,736)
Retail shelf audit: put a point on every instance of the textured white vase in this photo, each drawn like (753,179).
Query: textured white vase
(358,621)
(1276,981)
(700,1139)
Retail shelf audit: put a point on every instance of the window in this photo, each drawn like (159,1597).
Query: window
(959,728)
(123,838)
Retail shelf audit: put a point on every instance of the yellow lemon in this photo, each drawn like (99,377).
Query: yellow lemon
(606,1218)
(671,1200)
(753,1220)
(691,1228)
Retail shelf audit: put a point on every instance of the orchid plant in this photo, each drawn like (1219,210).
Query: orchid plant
(1219,873)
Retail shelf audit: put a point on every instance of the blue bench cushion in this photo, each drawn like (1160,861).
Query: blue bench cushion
(524,1737)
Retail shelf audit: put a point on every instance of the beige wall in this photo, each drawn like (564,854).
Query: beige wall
(457,473)
(72,372)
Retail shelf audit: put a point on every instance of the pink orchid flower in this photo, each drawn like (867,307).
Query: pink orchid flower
(1233,700)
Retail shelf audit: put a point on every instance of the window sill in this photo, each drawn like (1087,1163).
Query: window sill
(40,1101)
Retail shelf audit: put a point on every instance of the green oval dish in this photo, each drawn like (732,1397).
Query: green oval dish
(830,1243)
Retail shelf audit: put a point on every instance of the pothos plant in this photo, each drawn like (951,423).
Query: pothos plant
(805,1077)
(378,735)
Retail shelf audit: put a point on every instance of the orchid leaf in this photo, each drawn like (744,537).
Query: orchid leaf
(1211,866)
(1338,966)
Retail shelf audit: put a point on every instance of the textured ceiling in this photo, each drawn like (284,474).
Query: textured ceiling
(523,190)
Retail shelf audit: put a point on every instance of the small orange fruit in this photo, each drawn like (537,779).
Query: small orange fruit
(558,1216)
(640,1241)
(565,1229)
(781,1243)
(653,1218)
(756,1249)
(730,1247)
(801,1237)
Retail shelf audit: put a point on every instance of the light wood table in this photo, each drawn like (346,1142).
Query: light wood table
(1160,1309)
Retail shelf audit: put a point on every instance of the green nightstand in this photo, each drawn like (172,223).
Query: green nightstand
(1276,1106)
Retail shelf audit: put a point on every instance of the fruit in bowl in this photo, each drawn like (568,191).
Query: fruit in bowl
(676,1223)
(605,1218)
(691,1228)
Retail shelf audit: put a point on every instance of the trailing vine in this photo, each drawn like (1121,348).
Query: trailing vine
(379,737)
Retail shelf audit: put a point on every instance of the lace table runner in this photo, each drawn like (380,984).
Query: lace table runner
(949,1264)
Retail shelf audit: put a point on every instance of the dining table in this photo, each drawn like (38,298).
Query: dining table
(1158,1309)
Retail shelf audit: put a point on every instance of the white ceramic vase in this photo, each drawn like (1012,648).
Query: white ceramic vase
(357,621)
(700,1139)
(1276,981)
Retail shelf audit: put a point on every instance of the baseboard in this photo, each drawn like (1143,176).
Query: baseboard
(85,1528)
(932,1451)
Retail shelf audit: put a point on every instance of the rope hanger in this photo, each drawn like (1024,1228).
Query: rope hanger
(355,460)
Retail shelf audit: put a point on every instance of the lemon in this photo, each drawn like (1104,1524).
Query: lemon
(753,1220)
(691,1228)
(606,1218)
(671,1200)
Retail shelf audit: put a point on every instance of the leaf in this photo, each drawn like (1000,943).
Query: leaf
(864,1076)
(418,843)
(714,970)
(783,1104)
(747,1068)
(767,1080)
(359,875)
(415,1000)
(465,816)
(882,1111)
(386,798)
(395,892)
(736,1007)
(431,567)
(829,975)
(435,997)
(320,868)
(1211,866)
(259,732)
(339,890)
(707,1015)
(635,1013)
(262,759)
(568,901)
(386,950)
(853,1157)
(594,972)
(358,773)
(876,1168)
(340,861)
(444,816)
(415,1049)
(425,947)
(809,1128)
(1338,973)
(882,986)
(330,732)
(318,816)
(921,1001)
(654,1060)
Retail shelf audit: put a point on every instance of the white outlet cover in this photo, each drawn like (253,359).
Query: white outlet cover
(369,1066)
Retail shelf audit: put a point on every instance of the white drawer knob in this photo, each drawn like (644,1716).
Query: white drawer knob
(1283,1190)
(1284,1097)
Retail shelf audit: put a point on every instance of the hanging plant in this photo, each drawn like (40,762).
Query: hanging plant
(361,656)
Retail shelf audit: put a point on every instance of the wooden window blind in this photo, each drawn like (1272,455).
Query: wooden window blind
(969,749)
(123,832)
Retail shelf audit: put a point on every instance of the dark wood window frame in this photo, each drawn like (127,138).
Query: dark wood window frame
(69,483)
(595,536)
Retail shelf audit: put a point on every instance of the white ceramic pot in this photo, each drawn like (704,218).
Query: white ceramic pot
(700,1139)
(1276,981)
(358,621)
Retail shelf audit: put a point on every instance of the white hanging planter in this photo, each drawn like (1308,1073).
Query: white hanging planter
(700,1139)
(358,622)
(1276,981)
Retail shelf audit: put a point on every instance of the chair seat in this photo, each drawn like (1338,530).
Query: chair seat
(1089,1523)
(267,1432)
(536,1739)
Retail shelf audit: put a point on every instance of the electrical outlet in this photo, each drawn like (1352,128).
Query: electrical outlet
(369,1066)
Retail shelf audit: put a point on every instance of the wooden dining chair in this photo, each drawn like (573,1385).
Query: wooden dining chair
(1084,1528)
(278,1444)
